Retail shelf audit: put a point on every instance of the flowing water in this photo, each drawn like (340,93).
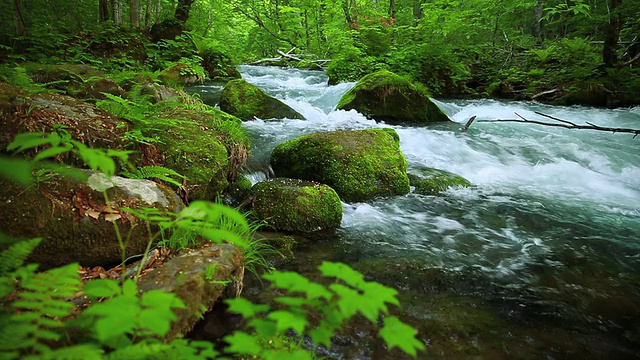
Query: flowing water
(539,259)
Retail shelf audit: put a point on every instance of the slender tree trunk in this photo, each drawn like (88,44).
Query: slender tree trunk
(158,10)
(418,13)
(209,19)
(609,56)
(21,28)
(182,10)
(306,29)
(103,7)
(349,6)
(134,13)
(392,10)
(537,20)
(147,13)
(116,11)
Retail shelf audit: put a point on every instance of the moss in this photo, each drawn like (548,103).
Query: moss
(358,164)
(432,181)
(296,205)
(206,145)
(181,74)
(388,97)
(247,101)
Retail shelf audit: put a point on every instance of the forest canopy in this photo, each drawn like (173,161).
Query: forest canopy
(456,48)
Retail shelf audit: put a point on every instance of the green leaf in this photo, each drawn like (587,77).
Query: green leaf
(27,141)
(242,343)
(52,151)
(245,307)
(116,317)
(161,299)
(398,334)
(342,272)
(286,320)
(129,288)
(156,321)
(18,170)
(100,288)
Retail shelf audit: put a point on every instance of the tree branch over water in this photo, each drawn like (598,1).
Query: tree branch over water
(561,123)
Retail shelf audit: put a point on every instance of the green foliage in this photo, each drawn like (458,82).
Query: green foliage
(335,304)
(156,172)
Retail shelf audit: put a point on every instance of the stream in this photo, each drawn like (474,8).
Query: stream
(538,260)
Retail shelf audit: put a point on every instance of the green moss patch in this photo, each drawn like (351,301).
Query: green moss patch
(358,164)
(430,181)
(296,205)
(388,97)
(247,101)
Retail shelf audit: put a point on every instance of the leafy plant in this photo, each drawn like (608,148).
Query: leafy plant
(156,172)
(349,295)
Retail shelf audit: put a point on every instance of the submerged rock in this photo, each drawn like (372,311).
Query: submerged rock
(430,181)
(74,220)
(199,277)
(247,101)
(297,205)
(388,97)
(358,164)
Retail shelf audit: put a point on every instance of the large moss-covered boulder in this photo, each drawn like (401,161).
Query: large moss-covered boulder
(73,219)
(428,181)
(207,146)
(219,65)
(388,97)
(79,81)
(247,101)
(199,277)
(358,164)
(297,205)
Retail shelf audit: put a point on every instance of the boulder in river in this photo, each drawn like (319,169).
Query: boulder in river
(74,220)
(359,164)
(385,96)
(247,101)
(181,74)
(429,181)
(297,205)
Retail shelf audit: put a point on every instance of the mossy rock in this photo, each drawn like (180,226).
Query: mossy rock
(207,146)
(75,222)
(430,181)
(247,101)
(95,88)
(238,190)
(359,164)
(47,73)
(388,97)
(297,205)
(180,74)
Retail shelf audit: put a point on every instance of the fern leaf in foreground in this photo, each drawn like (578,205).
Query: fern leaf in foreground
(156,172)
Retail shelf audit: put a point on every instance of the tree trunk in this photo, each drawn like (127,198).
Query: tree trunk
(21,28)
(147,13)
(306,29)
(209,19)
(418,13)
(392,10)
(537,20)
(182,10)
(609,56)
(158,10)
(103,7)
(347,7)
(116,11)
(134,13)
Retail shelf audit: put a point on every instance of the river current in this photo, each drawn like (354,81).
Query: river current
(539,259)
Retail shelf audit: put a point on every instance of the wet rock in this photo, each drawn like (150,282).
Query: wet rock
(247,101)
(238,190)
(297,205)
(181,74)
(429,181)
(73,219)
(199,277)
(358,164)
(388,97)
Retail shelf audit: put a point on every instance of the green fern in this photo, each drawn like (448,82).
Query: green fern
(156,172)
(13,257)
(38,309)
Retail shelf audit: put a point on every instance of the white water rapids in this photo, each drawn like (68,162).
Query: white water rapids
(553,216)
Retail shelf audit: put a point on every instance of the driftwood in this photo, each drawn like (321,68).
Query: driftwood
(544,93)
(562,123)
(287,55)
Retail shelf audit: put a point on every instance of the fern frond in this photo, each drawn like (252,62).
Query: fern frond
(156,172)
(40,305)
(15,255)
